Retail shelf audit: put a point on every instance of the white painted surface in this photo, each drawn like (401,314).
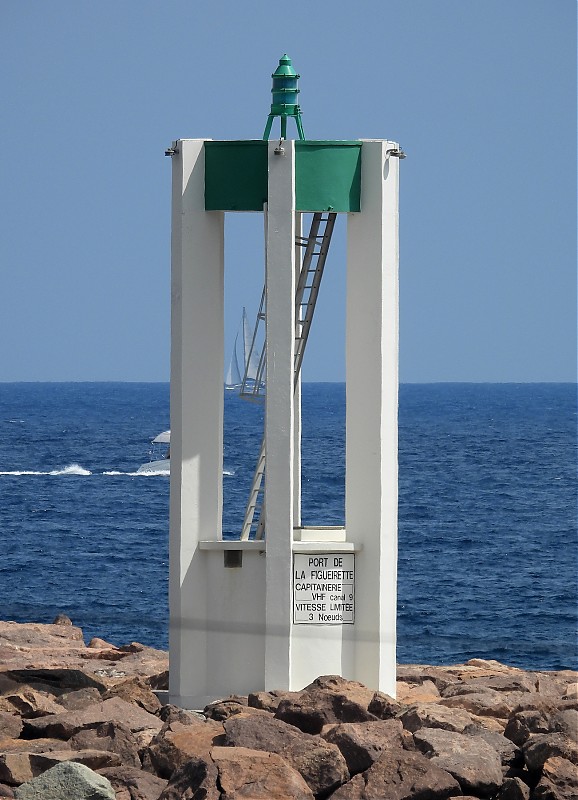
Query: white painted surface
(279,412)
(371,413)
(196,412)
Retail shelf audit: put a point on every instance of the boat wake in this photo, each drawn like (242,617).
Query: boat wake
(71,469)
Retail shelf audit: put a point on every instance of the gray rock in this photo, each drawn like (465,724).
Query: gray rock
(523,724)
(472,761)
(67,781)
(565,722)
(10,725)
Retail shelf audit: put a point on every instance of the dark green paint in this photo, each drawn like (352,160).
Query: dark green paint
(327,175)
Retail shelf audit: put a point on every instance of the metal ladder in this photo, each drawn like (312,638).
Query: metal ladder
(316,248)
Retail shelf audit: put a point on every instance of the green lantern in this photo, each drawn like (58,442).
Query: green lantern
(284,91)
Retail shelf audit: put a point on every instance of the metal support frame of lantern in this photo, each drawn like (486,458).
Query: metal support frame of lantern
(275,607)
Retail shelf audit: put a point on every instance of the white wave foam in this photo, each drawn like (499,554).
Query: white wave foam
(72,469)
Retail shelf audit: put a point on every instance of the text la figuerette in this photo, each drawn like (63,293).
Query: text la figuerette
(323,588)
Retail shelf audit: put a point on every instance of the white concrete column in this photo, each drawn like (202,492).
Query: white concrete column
(297,393)
(371,423)
(279,413)
(197,253)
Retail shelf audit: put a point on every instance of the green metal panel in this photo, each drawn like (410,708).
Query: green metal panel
(235,175)
(328,176)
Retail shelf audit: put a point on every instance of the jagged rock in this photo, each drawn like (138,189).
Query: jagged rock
(178,743)
(510,754)
(197,778)
(133,784)
(565,722)
(61,619)
(400,775)
(112,736)
(10,725)
(15,767)
(418,673)
(6,791)
(559,781)
(542,746)
(94,759)
(329,699)
(63,726)
(514,682)
(137,691)
(432,715)
(79,698)
(471,760)
(267,774)
(571,691)
(30,703)
(487,703)
(267,701)
(513,789)
(523,723)
(67,781)
(221,710)
(424,692)
(362,743)
(170,713)
(383,706)
(58,680)
(319,763)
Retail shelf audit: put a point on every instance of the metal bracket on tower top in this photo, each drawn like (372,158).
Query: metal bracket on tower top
(394,151)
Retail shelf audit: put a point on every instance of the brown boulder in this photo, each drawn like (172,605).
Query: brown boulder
(133,784)
(559,781)
(472,761)
(63,726)
(362,743)
(542,746)
(268,701)
(329,699)
(10,725)
(566,722)
(137,691)
(245,773)
(513,789)
(400,775)
(93,759)
(523,724)
(221,710)
(57,679)
(30,703)
(408,694)
(6,791)
(432,715)
(170,713)
(487,703)
(112,736)
(178,743)
(383,706)
(79,698)
(15,755)
(319,763)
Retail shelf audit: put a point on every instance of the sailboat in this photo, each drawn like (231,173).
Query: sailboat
(248,365)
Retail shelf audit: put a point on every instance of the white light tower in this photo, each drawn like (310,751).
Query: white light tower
(280,609)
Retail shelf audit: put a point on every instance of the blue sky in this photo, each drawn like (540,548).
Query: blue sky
(481,95)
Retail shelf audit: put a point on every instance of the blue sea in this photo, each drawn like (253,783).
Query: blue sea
(487,511)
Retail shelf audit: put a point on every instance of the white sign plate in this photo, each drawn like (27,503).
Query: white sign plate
(323,588)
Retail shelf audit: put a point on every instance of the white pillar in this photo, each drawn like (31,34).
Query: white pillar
(279,414)
(197,250)
(371,413)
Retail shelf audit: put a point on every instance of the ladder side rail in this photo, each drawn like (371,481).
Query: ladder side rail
(245,389)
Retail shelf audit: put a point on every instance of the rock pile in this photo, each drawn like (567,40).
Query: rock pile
(82,721)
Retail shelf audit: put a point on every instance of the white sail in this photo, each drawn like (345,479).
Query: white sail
(251,356)
(233,377)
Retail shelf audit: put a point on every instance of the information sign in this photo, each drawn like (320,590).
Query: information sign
(323,588)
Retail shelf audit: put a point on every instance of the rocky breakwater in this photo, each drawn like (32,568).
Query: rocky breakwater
(83,721)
